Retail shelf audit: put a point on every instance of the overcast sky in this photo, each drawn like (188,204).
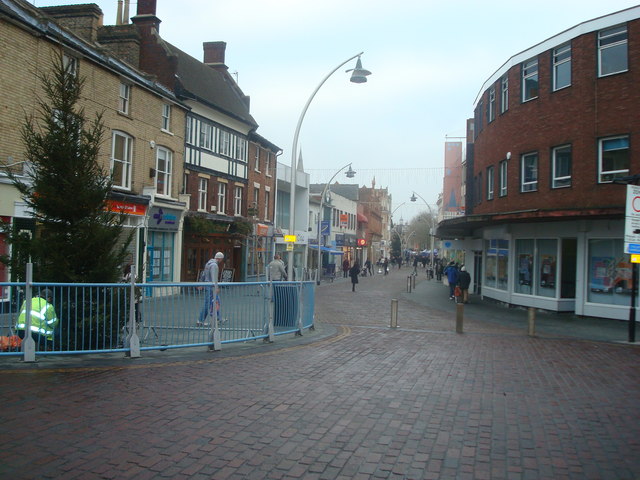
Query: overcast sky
(429,60)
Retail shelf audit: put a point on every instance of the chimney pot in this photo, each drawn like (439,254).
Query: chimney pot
(147,7)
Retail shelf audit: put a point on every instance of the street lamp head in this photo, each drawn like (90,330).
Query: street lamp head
(350,173)
(413,197)
(359,74)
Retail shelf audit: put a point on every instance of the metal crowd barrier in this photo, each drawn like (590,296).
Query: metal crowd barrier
(136,317)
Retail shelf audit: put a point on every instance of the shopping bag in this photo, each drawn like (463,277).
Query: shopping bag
(457,291)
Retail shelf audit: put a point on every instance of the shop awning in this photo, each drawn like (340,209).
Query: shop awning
(326,250)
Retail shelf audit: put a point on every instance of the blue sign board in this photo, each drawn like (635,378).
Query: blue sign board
(325,228)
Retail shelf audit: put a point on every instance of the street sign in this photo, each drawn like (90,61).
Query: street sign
(290,238)
(635,258)
(632,220)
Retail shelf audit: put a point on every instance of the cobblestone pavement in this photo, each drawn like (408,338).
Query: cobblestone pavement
(354,399)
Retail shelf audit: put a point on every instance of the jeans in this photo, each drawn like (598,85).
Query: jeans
(206,308)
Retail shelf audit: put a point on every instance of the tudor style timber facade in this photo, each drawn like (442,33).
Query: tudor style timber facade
(231,193)
(144,123)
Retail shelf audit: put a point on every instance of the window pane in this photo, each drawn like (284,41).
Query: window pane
(614,158)
(562,167)
(613,59)
(546,264)
(524,259)
(563,75)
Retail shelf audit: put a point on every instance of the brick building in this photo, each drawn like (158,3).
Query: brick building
(229,169)
(144,126)
(553,128)
(373,202)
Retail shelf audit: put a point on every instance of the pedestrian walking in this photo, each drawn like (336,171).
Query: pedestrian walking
(275,269)
(385,265)
(451,273)
(345,268)
(210,275)
(464,281)
(415,265)
(353,273)
(367,265)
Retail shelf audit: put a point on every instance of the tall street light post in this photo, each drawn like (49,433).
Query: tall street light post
(350,174)
(431,226)
(358,75)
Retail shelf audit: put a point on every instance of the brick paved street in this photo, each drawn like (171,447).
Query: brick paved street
(354,399)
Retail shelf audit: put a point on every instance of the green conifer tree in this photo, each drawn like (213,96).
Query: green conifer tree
(77,238)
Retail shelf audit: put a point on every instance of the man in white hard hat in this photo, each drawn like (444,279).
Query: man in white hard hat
(211,301)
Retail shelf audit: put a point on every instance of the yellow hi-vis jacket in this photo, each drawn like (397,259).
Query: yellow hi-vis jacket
(43,318)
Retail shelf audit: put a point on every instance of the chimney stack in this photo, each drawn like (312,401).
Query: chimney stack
(214,54)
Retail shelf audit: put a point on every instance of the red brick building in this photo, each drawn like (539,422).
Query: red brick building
(553,128)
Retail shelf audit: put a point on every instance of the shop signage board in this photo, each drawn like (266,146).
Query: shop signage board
(632,220)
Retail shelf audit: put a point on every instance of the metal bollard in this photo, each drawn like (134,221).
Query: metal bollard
(532,321)
(414,281)
(409,284)
(459,317)
(394,313)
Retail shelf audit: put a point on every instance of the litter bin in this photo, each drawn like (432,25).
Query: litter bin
(285,305)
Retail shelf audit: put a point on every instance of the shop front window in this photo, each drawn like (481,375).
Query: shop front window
(497,264)
(524,259)
(546,266)
(609,272)
(160,256)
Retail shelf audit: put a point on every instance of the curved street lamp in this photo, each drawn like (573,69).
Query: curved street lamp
(413,198)
(350,174)
(358,75)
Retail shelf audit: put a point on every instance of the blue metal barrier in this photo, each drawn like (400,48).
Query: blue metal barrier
(95,318)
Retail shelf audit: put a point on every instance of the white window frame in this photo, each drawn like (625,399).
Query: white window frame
(267,197)
(125,163)
(560,181)
(224,143)
(203,189)
(530,74)
(256,198)
(70,63)
(237,200)
(125,98)
(222,198)
(267,164)
(490,181)
(530,185)
(607,176)
(206,136)
(503,178)
(240,148)
(164,166)
(491,109)
(166,117)
(256,167)
(504,94)
(608,40)
(561,60)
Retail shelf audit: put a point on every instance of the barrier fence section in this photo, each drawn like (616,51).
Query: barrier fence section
(104,317)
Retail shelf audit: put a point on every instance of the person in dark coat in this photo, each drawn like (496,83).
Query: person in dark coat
(464,281)
(353,273)
(345,267)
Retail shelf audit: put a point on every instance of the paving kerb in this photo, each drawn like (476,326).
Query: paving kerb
(360,400)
